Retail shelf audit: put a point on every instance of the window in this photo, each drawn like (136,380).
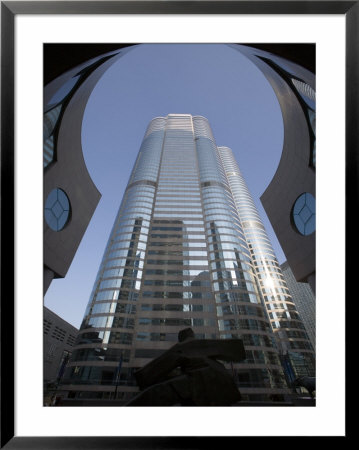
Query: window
(303,214)
(57,209)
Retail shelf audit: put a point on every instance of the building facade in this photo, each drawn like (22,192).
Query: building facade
(185,251)
(304,300)
(289,331)
(59,340)
(289,200)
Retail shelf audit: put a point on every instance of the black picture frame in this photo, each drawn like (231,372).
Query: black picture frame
(9,9)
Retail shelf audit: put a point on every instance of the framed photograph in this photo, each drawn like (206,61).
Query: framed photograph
(28,29)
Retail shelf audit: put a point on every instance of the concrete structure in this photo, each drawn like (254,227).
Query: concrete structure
(59,339)
(182,252)
(304,300)
(70,196)
(65,169)
(293,223)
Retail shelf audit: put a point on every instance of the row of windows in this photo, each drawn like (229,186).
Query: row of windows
(230,265)
(116,295)
(182,283)
(129,263)
(126,248)
(185,307)
(184,245)
(181,321)
(112,307)
(284,315)
(177,214)
(245,310)
(169,294)
(286,324)
(186,252)
(281,305)
(120,283)
(233,297)
(100,354)
(182,237)
(232,275)
(128,215)
(178,228)
(94,375)
(128,238)
(261,357)
(108,322)
(134,222)
(246,324)
(176,196)
(185,272)
(227,286)
(131,229)
(126,252)
(259,378)
(120,272)
(217,225)
(218,246)
(271,290)
(254,340)
(178,188)
(104,337)
(176,262)
(180,204)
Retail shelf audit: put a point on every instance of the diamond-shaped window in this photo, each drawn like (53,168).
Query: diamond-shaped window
(303,214)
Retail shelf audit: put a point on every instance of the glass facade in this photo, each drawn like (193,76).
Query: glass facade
(304,300)
(288,328)
(181,253)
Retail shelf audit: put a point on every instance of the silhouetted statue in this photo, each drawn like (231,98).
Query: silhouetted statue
(189,374)
(307,382)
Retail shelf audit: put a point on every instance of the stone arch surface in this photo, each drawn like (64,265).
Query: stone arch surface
(69,172)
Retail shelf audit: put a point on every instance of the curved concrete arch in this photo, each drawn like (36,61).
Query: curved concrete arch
(69,172)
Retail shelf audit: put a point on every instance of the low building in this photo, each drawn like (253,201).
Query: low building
(59,338)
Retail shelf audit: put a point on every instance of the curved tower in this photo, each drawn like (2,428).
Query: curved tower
(295,348)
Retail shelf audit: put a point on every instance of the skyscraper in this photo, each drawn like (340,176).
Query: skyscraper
(304,300)
(187,249)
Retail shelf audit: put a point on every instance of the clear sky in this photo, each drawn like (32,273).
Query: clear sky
(211,80)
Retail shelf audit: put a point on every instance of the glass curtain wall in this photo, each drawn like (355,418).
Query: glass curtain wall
(295,348)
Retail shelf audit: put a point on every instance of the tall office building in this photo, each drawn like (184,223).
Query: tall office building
(295,349)
(304,300)
(187,249)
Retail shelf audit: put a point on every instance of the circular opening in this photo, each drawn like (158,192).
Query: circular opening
(303,214)
(57,209)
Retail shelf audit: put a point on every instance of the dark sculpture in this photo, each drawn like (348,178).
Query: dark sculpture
(189,375)
(307,382)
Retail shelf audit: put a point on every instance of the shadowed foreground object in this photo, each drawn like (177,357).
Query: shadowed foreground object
(307,382)
(188,374)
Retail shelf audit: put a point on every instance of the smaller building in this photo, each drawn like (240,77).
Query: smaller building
(59,339)
(304,300)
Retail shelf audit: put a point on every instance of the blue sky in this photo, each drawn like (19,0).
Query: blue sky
(211,80)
